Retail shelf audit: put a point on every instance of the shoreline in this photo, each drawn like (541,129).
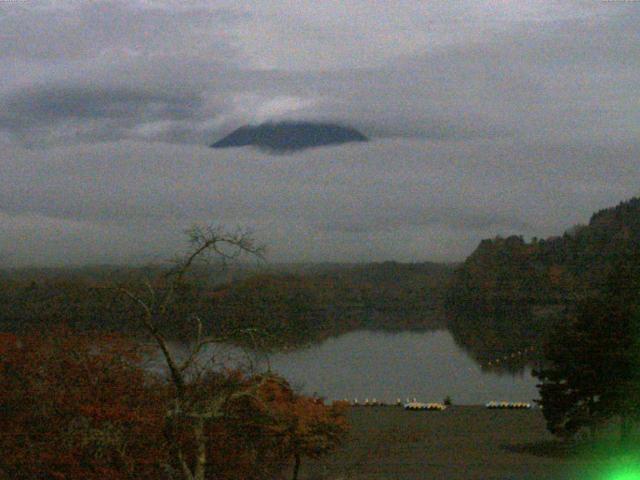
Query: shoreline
(462,442)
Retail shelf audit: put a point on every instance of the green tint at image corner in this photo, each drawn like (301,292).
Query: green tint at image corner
(619,468)
(623,473)
(605,461)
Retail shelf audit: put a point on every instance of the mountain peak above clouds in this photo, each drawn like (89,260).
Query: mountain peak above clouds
(290,136)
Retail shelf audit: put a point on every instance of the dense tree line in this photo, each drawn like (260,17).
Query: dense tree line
(287,309)
(509,293)
(577,299)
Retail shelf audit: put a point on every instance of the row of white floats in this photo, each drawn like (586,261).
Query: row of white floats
(425,406)
(509,405)
(399,403)
(415,405)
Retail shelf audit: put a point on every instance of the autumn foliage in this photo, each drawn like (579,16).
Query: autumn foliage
(77,406)
(81,406)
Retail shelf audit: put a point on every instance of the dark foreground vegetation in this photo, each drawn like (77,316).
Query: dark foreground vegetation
(82,406)
(591,371)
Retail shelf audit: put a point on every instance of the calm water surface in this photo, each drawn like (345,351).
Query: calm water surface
(369,364)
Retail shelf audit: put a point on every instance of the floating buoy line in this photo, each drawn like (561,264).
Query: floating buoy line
(415,405)
(408,405)
(436,406)
(425,406)
(508,405)
(512,356)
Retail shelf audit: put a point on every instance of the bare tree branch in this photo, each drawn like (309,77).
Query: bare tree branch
(222,245)
(212,239)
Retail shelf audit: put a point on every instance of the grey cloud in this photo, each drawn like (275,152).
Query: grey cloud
(564,79)
(113,28)
(454,218)
(50,104)
(386,198)
(43,115)
(487,118)
(571,79)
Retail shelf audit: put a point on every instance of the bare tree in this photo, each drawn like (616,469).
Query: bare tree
(154,302)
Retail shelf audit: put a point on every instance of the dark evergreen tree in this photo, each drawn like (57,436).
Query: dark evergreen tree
(592,370)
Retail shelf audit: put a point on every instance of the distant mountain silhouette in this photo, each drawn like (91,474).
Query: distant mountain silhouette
(290,136)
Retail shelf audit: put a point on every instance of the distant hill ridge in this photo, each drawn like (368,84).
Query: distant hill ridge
(555,268)
(289,136)
(508,292)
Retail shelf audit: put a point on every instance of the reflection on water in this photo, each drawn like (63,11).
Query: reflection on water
(426,365)
(367,364)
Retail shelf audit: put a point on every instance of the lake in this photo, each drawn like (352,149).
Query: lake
(386,366)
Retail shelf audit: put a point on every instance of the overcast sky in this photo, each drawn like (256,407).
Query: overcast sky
(487,117)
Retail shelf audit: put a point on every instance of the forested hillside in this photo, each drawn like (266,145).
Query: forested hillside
(296,309)
(506,294)
(282,309)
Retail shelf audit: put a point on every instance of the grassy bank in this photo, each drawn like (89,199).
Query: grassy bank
(461,443)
